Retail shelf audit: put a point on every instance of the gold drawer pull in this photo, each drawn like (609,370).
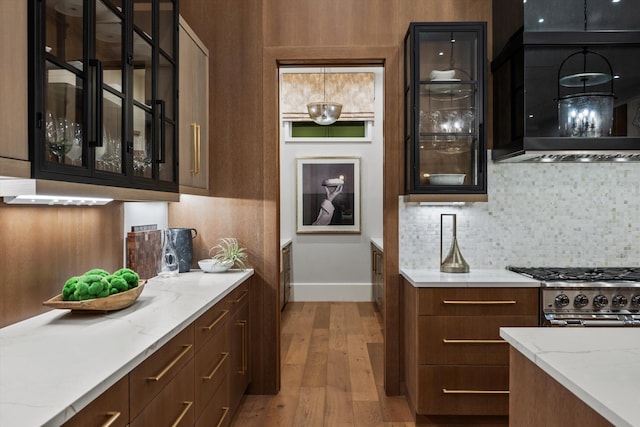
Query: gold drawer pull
(113,416)
(244,294)
(243,332)
(170,365)
(225,409)
(447,341)
(222,359)
(215,322)
(479,302)
(447,391)
(194,138)
(199,152)
(182,414)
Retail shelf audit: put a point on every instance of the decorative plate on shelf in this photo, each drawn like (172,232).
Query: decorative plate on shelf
(111,303)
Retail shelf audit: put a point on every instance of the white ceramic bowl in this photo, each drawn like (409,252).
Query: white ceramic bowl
(447,179)
(210,265)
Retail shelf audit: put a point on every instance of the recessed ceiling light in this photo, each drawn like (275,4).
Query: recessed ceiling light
(540,20)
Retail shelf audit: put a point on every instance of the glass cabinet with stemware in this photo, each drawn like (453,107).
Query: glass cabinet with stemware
(103,96)
(445,108)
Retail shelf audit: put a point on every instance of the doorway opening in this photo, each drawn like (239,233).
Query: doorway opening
(332,262)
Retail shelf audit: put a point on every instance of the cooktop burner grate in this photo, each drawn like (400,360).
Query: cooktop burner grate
(579,274)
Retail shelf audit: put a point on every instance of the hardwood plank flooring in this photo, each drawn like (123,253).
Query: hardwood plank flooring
(332,372)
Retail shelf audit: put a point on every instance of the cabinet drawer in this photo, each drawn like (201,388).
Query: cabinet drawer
(217,412)
(477,301)
(466,340)
(463,390)
(152,375)
(111,406)
(211,322)
(212,367)
(174,405)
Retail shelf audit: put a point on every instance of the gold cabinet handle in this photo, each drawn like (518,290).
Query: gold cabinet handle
(447,391)
(171,365)
(113,416)
(448,341)
(198,152)
(244,294)
(243,327)
(194,139)
(222,359)
(225,411)
(215,322)
(187,406)
(479,302)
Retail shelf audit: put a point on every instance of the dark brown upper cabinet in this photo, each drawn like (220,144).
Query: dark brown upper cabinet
(445,108)
(103,92)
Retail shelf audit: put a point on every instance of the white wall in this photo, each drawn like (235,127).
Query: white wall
(551,215)
(323,262)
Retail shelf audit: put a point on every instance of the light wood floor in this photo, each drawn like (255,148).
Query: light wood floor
(332,372)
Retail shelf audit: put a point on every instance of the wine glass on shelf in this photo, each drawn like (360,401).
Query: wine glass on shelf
(55,136)
(74,135)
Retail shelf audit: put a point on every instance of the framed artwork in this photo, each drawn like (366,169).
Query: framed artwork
(328,195)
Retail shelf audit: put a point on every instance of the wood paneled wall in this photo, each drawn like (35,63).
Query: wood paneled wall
(41,247)
(248,40)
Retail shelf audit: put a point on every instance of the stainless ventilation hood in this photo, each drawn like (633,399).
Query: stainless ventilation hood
(527,78)
(554,150)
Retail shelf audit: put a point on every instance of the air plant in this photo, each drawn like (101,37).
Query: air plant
(228,252)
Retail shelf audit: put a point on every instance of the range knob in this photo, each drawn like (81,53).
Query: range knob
(619,301)
(635,301)
(600,301)
(580,301)
(561,300)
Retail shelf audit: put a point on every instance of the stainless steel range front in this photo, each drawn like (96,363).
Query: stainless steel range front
(587,296)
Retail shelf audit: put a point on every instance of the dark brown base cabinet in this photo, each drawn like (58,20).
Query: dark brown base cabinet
(286,255)
(377,277)
(198,378)
(456,364)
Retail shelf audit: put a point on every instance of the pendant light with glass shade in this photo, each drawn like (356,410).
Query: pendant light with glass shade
(324,113)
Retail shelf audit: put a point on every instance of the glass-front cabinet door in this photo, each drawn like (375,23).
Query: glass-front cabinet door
(104,92)
(445,106)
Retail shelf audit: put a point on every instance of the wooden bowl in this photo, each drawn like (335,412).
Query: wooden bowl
(112,302)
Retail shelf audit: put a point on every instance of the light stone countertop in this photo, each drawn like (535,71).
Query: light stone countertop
(378,243)
(284,242)
(601,366)
(54,364)
(424,278)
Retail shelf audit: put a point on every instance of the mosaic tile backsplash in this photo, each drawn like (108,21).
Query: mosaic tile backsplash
(562,215)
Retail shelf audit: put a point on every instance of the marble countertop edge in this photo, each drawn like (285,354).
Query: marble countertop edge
(135,333)
(553,350)
(473,279)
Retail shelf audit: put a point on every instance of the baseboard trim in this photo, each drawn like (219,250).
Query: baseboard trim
(331,292)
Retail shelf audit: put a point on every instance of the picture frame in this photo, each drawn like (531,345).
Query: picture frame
(328,195)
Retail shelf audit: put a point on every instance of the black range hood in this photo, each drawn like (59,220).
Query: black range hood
(526,77)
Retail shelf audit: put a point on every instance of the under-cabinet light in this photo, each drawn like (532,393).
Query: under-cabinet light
(442,203)
(56,200)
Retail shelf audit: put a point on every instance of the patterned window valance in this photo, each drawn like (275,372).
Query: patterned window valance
(355,91)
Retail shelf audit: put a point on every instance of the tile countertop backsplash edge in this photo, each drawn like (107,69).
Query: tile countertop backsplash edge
(562,215)
(39,354)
